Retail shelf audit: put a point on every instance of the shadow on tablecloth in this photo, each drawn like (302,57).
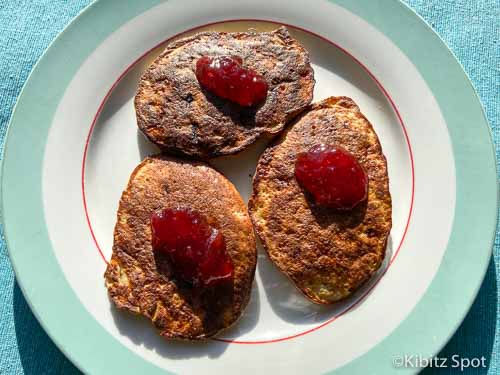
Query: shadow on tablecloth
(38,353)
(476,335)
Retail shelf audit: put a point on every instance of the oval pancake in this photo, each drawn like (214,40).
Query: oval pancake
(142,282)
(180,117)
(326,254)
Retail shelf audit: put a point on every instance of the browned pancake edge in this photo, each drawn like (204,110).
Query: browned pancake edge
(180,117)
(327,254)
(142,282)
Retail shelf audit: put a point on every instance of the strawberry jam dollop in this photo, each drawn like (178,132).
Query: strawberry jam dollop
(333,176)
(197,250)
(225,77)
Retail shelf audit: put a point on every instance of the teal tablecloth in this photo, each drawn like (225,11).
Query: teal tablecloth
(470,27)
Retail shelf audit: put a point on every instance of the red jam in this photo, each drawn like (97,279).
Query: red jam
(224,76)
(196,250)
(332,176)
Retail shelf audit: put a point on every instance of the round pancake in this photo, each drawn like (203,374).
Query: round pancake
(142,282)
(180,117)
(327,254)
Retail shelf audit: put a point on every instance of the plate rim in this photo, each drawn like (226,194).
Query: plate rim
(10,167)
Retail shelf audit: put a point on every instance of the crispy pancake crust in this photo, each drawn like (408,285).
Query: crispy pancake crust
(326,254)
(176,114)
(142,282)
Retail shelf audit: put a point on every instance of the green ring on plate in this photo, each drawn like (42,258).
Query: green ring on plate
(25,228)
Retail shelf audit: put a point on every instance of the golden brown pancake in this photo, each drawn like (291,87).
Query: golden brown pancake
(142,282)
(180,117)
(327,254)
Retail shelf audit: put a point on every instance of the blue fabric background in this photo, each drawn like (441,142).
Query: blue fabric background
(470,27)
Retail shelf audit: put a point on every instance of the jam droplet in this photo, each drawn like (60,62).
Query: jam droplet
(225,77)
(332,176)
(196,250)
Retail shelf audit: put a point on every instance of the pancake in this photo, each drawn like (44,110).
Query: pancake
(327,254)
(142,282)
(180,117)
